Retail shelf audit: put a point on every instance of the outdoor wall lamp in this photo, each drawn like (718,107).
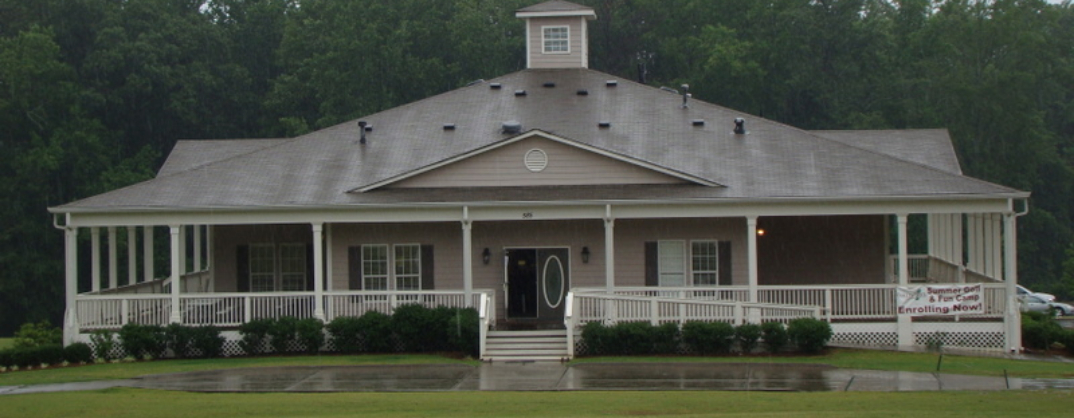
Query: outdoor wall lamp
(585,255)
(486,256)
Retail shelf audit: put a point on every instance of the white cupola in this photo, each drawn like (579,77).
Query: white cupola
(556,35)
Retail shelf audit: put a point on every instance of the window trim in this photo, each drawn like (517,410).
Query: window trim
(276,272)
(545,39)
(715,268)
(392,273)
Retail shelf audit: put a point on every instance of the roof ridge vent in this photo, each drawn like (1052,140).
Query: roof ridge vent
(449,126)
(511,127)
(495,86)
(549,84)
(519,93)
(611,83)
(698,122)
(583,92)
(604,124)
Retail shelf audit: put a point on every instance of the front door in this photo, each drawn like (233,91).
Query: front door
(537,280)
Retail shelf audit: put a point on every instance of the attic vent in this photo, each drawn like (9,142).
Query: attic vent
(512,127)
(583,92)
(549,84)
(604,124)
(520,92)
(611,83)
(495,86)
(698,122)
(449,126)
(536,160)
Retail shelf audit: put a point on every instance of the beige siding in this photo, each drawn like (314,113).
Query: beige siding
(227,239)
(567,165)
(822,249)
(446,239)
(631,235)
(576,57)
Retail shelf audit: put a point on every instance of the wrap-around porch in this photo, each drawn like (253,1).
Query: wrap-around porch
(613,266)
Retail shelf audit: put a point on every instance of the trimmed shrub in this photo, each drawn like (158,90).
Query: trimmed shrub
(6,359)
(143,340)
(597,338)
(346,332)
(666,338)
(310,334)
(78,353)
(37,334)
(179,339)
(375,332)
(103,342)
(416,327)
(809,334)
(775,336)
(633,338)
(254,335)
(747,336)
(284,332)
(464,331)
(1040,330)
(207,341)
(25,357)
(708,337)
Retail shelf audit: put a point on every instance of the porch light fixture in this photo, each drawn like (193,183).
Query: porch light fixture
(585,255)
(486,256)
(760,232)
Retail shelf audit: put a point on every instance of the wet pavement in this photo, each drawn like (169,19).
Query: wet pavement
(556,377)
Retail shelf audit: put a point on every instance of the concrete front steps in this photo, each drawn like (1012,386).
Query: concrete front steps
(539,345)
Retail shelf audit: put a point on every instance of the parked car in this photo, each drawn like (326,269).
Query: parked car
(1035,303)
(1022,291)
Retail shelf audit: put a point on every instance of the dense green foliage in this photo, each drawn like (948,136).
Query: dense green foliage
(775,336)
(709,337)
(810,335)
(630,338)
(95,93)
(37,334)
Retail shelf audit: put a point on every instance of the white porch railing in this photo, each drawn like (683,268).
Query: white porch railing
(233,309)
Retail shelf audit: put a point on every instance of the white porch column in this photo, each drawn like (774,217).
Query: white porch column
(751,245)
(1012,317)
(328,257)
(70,317)
(176,247)
(113,259)
(147,252)
(904,322)
(318,271)
(132,255)
(197,248)
(609,248)
(467,257)
(95,259)
(182,250)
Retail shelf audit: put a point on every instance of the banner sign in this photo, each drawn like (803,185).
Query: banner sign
(965,299)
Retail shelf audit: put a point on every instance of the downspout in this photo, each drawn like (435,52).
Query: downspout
(1013,315)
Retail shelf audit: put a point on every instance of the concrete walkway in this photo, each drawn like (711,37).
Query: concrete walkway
(555,377)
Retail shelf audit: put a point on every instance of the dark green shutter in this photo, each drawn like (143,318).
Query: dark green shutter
(724,260)
(427,267)
(354,267)
(242,263)
(652,264)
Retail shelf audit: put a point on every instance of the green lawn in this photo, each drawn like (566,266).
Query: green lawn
(137,403)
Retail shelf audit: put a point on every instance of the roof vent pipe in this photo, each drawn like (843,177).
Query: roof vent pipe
(361,128)
(740,126)
(686,95)
(512,127)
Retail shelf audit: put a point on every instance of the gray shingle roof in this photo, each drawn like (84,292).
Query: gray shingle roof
(555,6)
(773,161)
(190,154)
(930,147)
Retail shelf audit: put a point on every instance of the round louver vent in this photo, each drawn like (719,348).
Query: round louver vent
(536,160)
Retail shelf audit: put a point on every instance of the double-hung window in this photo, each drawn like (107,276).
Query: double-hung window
(556,39)
(704,263)
(279,267)
(405,270)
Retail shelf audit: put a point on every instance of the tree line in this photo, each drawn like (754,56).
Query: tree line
(94,93)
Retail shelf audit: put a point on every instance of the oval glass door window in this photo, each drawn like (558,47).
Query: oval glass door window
(553,282)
